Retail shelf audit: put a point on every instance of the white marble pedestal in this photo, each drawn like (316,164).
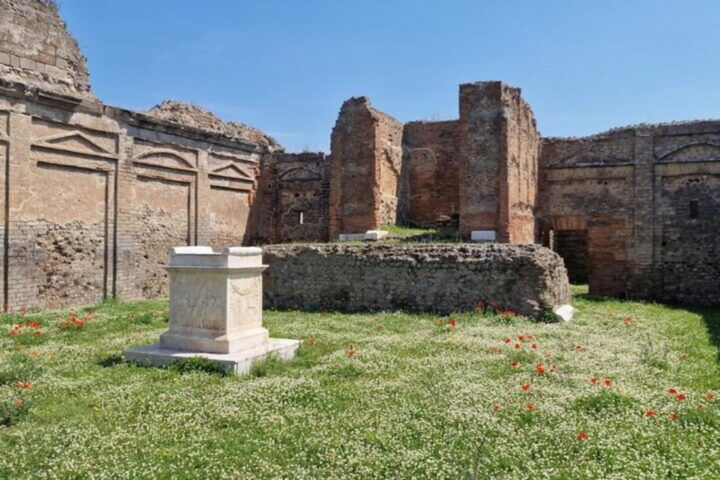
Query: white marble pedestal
(215,311)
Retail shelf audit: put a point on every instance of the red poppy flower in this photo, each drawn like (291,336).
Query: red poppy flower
(680,397)
(22,385)
(530,407)
(517,346)
(525,387)
(650,413)
(700,406)
(452,322)
(607,383)
(595,380)
(312,340)
(515,364)
(533,346)
(540,369)
(672,391)
(627,320)
(582,436)
(673,417)
(710,396)
(579,348)
(507,340)
(521,338)
(351,352)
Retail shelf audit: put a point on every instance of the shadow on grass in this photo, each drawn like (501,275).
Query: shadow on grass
(709,315)
(711,318)
(111,361)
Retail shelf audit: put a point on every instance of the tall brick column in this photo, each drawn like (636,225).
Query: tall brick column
(499,151)
(641,260)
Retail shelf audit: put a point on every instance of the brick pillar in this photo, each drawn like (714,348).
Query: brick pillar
(20,255)
(482,122)
(641,262)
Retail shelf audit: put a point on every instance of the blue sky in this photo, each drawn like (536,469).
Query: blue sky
(285,66)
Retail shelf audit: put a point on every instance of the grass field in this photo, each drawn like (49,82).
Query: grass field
(415,398)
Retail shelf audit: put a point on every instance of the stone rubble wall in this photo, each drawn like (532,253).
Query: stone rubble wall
(527,279)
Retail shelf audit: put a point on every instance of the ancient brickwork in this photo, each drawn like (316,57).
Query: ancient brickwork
(430,155)
(293,198)
(586,184)
(519,187)
(499,150)
(93,197)
(365,170)
(527,279)
(36,48)
(648,199)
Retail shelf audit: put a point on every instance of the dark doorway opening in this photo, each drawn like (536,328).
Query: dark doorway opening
(572,246)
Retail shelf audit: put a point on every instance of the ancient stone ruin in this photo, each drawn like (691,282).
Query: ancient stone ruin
(93,196)
(525,279)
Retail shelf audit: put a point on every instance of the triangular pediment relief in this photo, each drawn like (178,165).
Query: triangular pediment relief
(695,152)
(231,170)
(588,160)
(75,141)
(163,157)
(298,174)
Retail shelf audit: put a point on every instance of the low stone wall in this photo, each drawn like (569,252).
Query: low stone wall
(526,279)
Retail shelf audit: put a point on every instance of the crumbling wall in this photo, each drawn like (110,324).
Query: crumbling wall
(388,170)
(92,197)
(519,187)
(365,170)
(431,166)
(527,279)
(36,48)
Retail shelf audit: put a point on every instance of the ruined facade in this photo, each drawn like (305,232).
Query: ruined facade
(634,211)
(643,203)
(92,196)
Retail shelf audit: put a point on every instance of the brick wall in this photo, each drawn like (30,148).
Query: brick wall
(292,199)
(431,166)
(499,150)
(648,199)
(365,169)
(92,197)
